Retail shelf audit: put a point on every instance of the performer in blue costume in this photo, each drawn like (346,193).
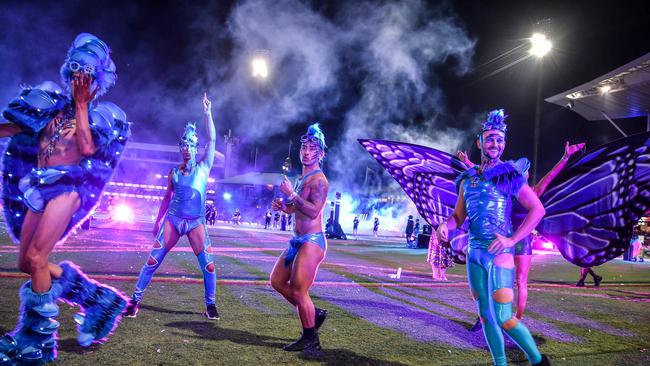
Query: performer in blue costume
(484,195)
(296,269)
(63,150)
(523,248)
(183,210)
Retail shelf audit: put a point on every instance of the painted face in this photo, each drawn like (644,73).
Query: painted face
(310,153)
(188,151)
(492,144)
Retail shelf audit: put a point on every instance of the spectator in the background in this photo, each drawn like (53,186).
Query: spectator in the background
(439,258)
(409,231)
(355,226)
(267,219)
(375,227)
(416,229)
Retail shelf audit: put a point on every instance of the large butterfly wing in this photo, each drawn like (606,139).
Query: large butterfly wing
(435,198)
(593,205)
(427,176)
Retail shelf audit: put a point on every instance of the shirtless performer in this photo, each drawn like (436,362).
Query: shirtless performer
(62,152)
(295,270)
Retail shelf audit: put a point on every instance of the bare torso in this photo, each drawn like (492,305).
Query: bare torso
(59,138)
(314,190)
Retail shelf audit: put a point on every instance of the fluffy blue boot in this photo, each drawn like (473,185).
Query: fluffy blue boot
(33,342)
(101,305)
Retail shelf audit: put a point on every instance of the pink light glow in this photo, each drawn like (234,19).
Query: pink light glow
(123,213)
(547,245)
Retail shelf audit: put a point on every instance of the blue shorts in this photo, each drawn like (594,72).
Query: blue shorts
(524,246)
(297,241)
(182,226)
(42,185)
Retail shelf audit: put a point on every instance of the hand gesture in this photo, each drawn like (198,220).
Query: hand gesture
(462,156)
(500,243)
(278,204)
(81,83)
(442,232)
(286,187)
(207,104)
(572,149)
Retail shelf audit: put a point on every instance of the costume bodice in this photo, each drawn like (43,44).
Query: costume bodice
(188,201)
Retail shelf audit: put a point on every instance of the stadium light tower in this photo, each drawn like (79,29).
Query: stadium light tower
(540,46)
(259,67)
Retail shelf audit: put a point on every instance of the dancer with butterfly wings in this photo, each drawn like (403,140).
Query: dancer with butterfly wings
(590,208)
(523,248)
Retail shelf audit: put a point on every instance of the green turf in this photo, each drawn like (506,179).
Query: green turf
(256,322)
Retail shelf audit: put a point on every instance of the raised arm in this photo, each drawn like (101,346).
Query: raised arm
(455,220)
(9,129)
(462,156)
(569,150)
(311,199)
(82,95)
(208,156)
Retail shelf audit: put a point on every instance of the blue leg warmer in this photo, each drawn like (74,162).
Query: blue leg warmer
(206,264)
(101,305)
(33,342)
(154,261)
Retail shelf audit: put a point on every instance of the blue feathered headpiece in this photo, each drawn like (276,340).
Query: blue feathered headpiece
(315,134)
(189,136)
(90,55)
(496,121)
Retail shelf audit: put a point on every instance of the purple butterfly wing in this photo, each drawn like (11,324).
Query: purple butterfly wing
(592,206)
(427,176)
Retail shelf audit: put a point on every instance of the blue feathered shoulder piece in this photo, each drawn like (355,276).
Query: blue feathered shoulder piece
(508,176)
(110,131)
(35,107)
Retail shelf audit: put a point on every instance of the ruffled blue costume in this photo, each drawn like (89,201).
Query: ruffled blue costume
(488,200)
(32,110)
(26,186)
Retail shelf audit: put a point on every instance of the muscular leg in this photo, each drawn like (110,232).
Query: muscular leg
(48,231)
(522,265)
(280,279)
(501,281)
(158,253)
(26,234)
(478,285)
(305,267)
(200,243)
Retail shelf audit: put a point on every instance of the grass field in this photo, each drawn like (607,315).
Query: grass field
(374,319)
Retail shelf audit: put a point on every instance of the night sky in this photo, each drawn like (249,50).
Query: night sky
(409,71)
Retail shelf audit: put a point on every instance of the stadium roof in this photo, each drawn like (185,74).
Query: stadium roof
(621,93)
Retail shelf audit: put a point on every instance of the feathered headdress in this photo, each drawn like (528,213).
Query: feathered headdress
(189,136)
(314,133)
(89,54)
(496,121)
